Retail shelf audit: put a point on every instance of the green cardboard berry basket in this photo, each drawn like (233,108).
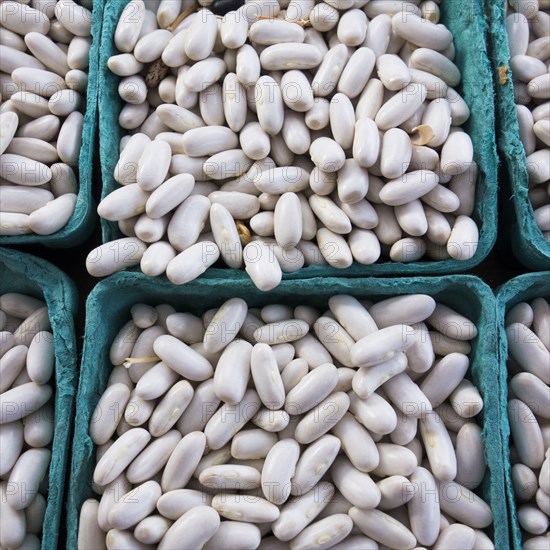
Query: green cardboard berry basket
(524,236)
(108,308)
(83,219)
(467,22)
(523,288)
(30,275)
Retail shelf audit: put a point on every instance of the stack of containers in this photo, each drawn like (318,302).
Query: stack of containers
(25,274)
(519,226)
(82,220)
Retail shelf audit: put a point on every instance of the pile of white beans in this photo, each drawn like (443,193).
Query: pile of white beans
(284,427)
(529,41)
(44,51)
(287,134)
(26,418)
(528,332)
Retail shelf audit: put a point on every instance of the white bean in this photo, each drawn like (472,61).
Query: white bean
(221,450)
(464,505)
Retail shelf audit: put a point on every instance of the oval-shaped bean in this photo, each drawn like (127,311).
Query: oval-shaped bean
(235,507)
(11,441)
(120,455)
(108,412)
(20,401)
(528,351)
(262,265)
(526,433)
(26,476)
(324,533)
(401,106)
(230,476)
(266,377)
(183,461)
(200,410)
(375,413)
(12,521)
(439,447)
(286,56)
(90,534)
(172,351)
(192,529)
(357,443)
(279,467)
(252,444)
(229,419)
(235,533)
(383,528)
(423,507)
(135,505)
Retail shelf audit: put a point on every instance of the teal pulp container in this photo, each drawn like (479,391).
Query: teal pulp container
(30,275)
(108,308)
